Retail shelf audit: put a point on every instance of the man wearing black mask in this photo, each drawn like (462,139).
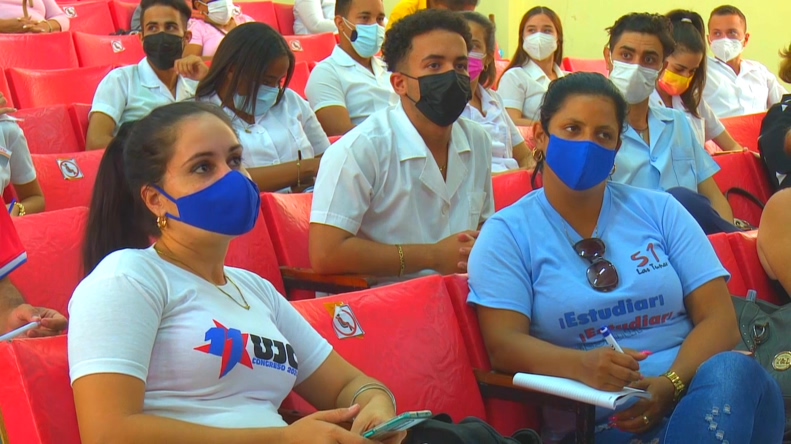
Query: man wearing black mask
(405,192)
(131,92)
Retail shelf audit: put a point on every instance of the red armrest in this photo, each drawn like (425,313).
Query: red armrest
(307,279)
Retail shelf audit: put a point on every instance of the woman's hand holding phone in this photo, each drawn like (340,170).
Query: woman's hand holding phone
(378,411)
(322,428)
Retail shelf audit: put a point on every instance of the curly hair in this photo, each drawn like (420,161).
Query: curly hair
(398,41)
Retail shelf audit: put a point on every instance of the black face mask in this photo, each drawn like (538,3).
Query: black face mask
(163,49)
(443,97)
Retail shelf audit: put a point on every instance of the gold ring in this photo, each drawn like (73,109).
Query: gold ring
(646,420)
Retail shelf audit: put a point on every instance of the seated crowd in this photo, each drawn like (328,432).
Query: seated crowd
(206,122)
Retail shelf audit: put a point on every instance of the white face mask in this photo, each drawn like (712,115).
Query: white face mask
(539,46)
(635,82)
(220,11)
(727,49)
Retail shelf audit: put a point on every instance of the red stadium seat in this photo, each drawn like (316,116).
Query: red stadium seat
(334,139)
(745,129)
(6,91)
(64,86)
(9,194)
(254,252)
(53,241)
(311,48)
(510,187)
(49,130)
(411,341)
(37,51)
(122,13)
(263,12)
(67,180)
(585,65)
(300,79)
(35,392)
(80,112)
(285,18)
(92,17)
(737,285)
(104,50)
(743,171)
(745,250)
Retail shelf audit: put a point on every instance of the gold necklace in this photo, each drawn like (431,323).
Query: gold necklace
(246,306)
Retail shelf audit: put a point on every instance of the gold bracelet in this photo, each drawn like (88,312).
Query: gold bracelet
(21,209)
(401,259)
(678,385)
(375,386)
(48,24)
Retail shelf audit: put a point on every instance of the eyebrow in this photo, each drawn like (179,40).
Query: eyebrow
(166,23)
(203,154)
(433,57)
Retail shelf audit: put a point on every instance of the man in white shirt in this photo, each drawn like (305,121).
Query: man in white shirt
(352,83)
(407,190)
(735,86)
(131,92)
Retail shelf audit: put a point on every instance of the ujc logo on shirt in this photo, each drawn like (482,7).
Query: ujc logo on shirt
(70,11)
(296,45)
(70,169)
(344,322)
(118,46)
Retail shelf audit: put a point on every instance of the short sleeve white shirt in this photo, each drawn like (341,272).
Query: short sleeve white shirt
(131,92)
(706,127)
(496,121)
(203,358)
(340,81)
(16,165)
(380,182)
(314,16)
(276,137)
(752,91)
(523,88)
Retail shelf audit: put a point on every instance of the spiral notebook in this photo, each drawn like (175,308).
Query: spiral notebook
(577,391)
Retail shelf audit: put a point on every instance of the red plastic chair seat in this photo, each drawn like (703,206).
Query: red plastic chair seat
(64,86)
(722,246)
(80,112)
(49,130)
(263,12)
(92,17)
(6,91)
(104,50)
(585,65)
(67,180)
(745,129)
(300,79)
(285,18)
(311,48)
(743,170)
(745,250)
(122,13)
(37,51)
(254,252)
(510,187)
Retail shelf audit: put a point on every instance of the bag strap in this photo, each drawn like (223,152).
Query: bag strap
(744,193)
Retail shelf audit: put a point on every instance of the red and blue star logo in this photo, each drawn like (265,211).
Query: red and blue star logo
(228,343)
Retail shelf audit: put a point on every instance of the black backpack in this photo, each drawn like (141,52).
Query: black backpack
(442,430)
(771,144)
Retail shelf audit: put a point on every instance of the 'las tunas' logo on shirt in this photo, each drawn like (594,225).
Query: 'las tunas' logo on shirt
(230,344)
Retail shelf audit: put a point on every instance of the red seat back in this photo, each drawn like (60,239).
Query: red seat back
(103,50)
(411,342)
(722,246)
(37,51)
(263,12)
(254,252)
(80,113)
(5,90)
(64,86)
(745,249)
(35,392)
(49,130)
(91,17)
(585,65)
(300,79)
(745,129)
(67,180)
(510,187)
(288,219)
(285,18)
(53,241)
(311,48)
(122,13)
(744,171)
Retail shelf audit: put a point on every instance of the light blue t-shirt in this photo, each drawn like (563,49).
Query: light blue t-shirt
(524,261)
(675,157)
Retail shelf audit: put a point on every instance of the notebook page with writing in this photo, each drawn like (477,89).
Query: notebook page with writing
(577,391)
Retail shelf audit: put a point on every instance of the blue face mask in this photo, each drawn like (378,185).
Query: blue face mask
(581,165)
(267,96)
(366,39)
(229,206)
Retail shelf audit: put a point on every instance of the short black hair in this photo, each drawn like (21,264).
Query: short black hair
(644,23)
(342,7)
(398,41)
(179,5)
(456,5)
(728,10)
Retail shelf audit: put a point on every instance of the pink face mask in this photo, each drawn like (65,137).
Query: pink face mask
(475,65)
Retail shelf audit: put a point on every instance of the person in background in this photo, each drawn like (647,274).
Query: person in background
(352,83)
(736,86)
(509,150)
(775,141)
(774,241)
(536,62)
(407,190)
(127,94)
(37,17)
(217,20)
(584,252)
(281,136)
(660,150)
(408,7)
(314,16)
(16,167)
(681,83)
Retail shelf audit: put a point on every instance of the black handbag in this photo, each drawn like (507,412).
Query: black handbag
(442,430)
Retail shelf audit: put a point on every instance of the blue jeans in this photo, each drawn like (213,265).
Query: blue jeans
(699,206)
(731,399)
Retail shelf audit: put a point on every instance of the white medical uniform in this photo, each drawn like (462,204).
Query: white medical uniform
(752,91)
(706,127)
(496,121)
(523,88)
(16,165)
(314,16)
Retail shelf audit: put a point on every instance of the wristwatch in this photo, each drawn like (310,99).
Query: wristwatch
(678,384)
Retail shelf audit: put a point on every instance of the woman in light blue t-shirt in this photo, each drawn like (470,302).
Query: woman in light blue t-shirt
(583,253)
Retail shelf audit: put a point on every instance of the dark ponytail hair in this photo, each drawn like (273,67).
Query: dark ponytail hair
(489,74)
(577,84)
(136,157)
(785,65)
(688,32)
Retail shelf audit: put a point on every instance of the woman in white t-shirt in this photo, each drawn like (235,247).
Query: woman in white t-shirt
(16,167)
(680,85)
(509,150)
(314,16)
(535,63)
(168,345)
(281,136)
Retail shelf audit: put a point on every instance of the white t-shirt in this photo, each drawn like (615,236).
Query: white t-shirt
(753,91)
(131,92)
(314,16)
(204,359)
(505,135)
(524,88)
(277,136)
(706,127)
(16,165)
(340,81)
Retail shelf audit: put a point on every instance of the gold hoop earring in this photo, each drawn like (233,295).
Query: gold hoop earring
(538,155)
(162,222)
